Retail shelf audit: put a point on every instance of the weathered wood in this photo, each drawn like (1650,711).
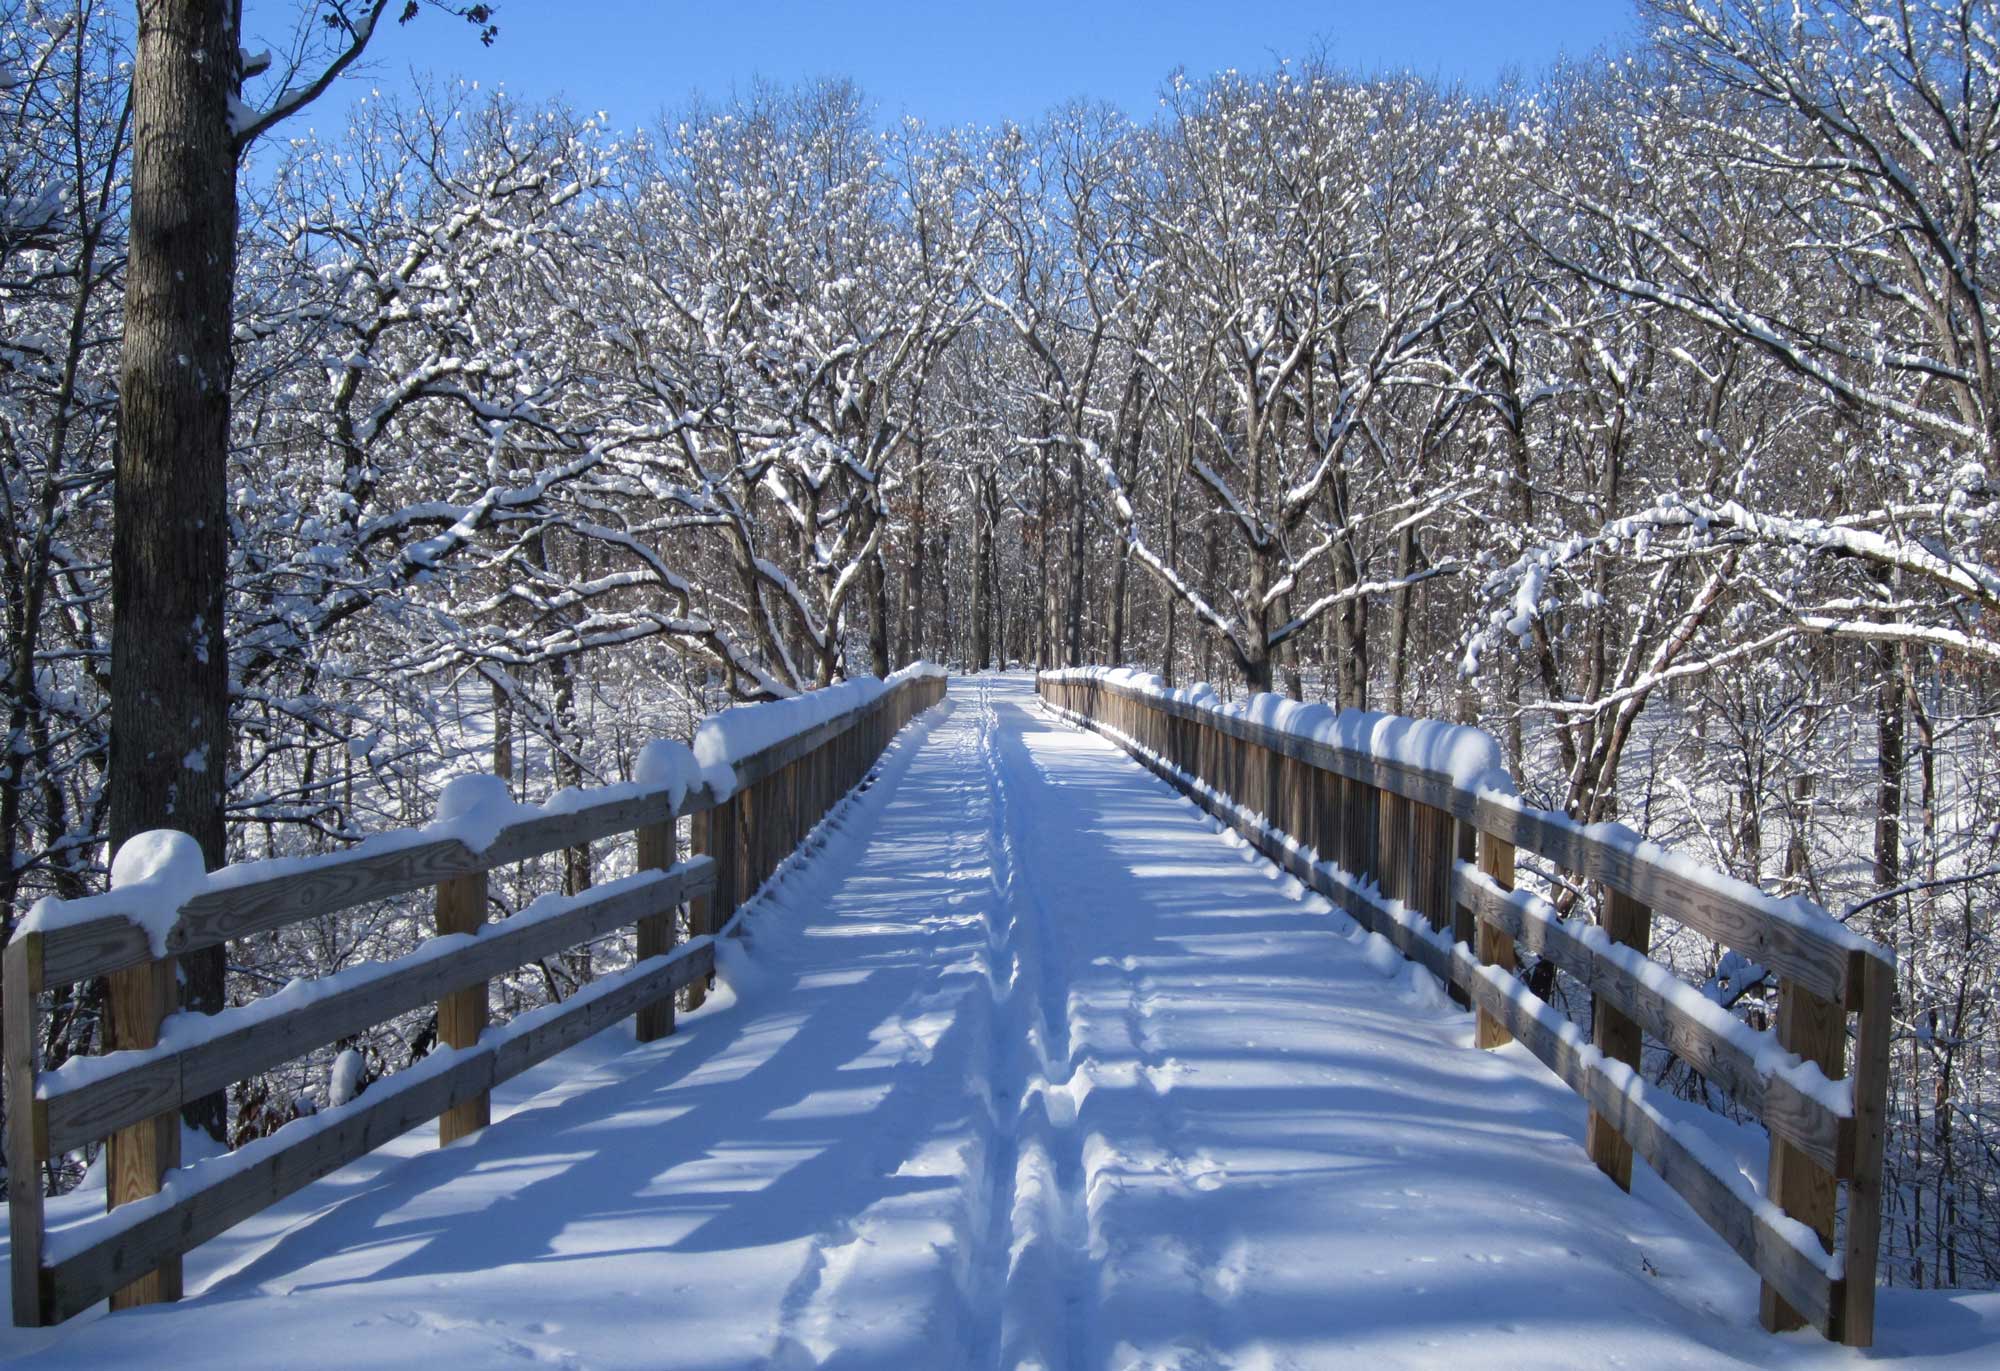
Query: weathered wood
(1804,1285)
(20,989)
(1822,963)
(786,795)
(462,1014)
(1617,1036)
(1862,1239)
(243,1042)
(1816,1029)
(701,909)
(387,1111)
(340,880)
(656,931)
(138,1157)
(1825,965)
(1785,1109)
(1496,945)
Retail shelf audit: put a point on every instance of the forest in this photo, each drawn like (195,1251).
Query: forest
(1643,413)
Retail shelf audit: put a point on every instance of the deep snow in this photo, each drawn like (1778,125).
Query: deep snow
(1027,1065)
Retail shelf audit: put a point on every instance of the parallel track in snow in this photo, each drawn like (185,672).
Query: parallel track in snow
(1021,1064)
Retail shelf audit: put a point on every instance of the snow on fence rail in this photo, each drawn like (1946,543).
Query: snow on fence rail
(757,780)
(1412,828)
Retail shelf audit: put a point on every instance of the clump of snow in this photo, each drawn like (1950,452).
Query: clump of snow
(153,874)
(743,731)
(1470,758)
(473,808)
(665,763)
(345,1079)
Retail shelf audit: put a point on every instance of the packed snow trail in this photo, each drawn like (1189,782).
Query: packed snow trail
(1024,1065)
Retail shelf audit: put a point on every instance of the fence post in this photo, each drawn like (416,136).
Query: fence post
(137,1158)
(656,931)
(19,992)
(1864,1178)
(1496,946)
(1392,843)
(1630,923)
(1816,1029)
(461,908)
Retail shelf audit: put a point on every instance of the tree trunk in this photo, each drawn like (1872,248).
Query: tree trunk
(1889,742)
(982,576)
(169,554)
(1075,655)
(878,615)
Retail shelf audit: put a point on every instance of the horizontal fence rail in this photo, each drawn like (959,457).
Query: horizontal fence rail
(1415,854)
(155,1061)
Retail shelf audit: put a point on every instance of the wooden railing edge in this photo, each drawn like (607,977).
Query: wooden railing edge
(111,1257)
(1839,1298)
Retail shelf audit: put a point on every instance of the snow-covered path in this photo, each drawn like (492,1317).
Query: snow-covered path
(1026,1066)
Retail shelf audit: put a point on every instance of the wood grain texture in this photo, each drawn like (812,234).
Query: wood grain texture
(1785,1109)
(387,1111)
(462,1014)
(77,1114)
(1824,965)
(20,987)
(655,932)
(1802,1283)
(1496,944)
(326,885)
(1861,1241)
(138,1157)
(1616,1034)
(1816,1028)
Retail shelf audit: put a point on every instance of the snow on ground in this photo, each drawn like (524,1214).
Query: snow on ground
(1028,1066)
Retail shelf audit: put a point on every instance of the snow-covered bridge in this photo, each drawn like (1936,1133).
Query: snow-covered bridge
(1025,1063)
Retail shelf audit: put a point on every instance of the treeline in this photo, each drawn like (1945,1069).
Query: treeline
(1645,414)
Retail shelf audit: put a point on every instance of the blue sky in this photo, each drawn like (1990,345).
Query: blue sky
(969,62)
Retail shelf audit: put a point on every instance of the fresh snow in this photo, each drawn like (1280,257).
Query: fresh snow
(1026,1063)
(1469,757)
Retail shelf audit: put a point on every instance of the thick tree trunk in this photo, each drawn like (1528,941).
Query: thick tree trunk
(878,615)
(1076,531)
(169,663)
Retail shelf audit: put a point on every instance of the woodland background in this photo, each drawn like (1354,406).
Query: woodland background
(1644,414)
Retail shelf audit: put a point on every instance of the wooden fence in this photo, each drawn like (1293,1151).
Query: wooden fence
(1409,839)
(132,1096)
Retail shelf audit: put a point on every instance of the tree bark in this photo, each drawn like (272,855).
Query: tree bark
(169,661)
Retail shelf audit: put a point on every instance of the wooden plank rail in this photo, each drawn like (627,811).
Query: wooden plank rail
(133,1095)
(1429,864)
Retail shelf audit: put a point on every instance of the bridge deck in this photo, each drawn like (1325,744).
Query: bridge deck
(1027,1066)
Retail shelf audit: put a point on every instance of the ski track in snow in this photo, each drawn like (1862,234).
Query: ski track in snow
(1024,1064)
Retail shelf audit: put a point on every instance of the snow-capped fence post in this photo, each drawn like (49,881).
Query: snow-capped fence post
(1496,945)
(1815,1027)
(1629,923)
(655,932)
(462,1014)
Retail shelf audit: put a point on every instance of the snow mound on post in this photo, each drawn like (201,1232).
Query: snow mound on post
(165,868)
(1469,757)
(665,764)
(473,808)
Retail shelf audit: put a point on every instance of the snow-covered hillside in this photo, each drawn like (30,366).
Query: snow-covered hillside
(1025,1066)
